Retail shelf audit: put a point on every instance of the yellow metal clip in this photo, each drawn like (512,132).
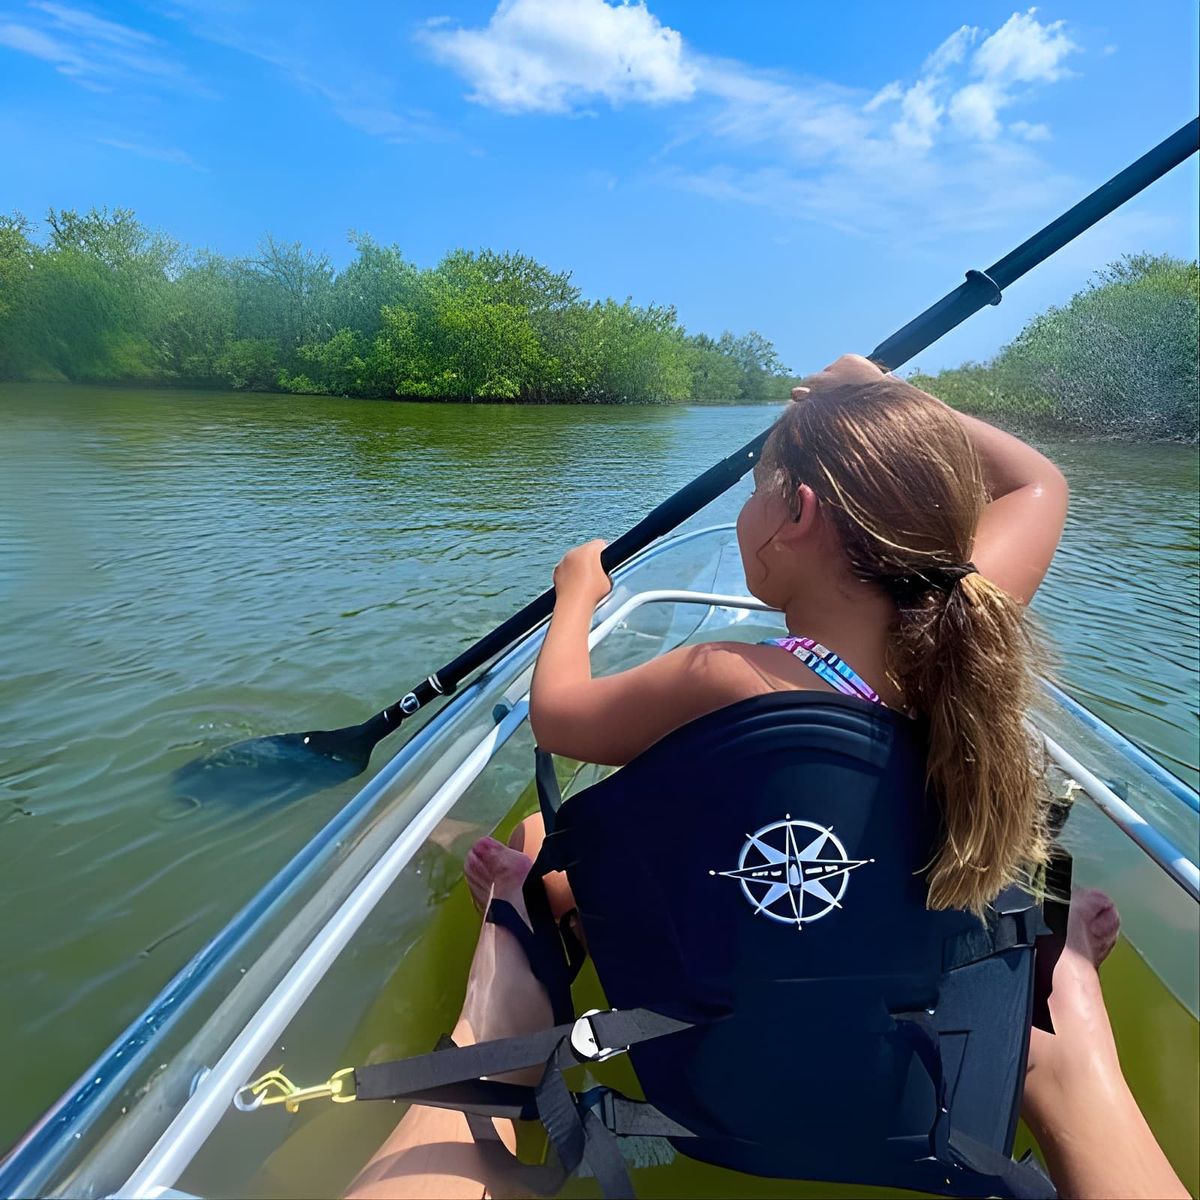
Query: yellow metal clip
(276,1088)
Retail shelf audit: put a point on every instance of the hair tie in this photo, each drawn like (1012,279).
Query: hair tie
(944,578)
(908,588)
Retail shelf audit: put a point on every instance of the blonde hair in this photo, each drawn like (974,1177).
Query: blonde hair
(905,489)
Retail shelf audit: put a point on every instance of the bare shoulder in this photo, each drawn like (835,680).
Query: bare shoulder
(729,671)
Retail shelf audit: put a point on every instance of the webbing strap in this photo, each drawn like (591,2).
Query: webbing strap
(1023,1180)
(549,793)
(923,1037)
(611,1030)
(997,1173)
(542,945)
(425,1072)
(581,1129)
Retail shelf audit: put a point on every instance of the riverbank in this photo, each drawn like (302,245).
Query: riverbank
(105,300)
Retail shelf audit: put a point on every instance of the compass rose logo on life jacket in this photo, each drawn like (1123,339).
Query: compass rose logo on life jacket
(794,871)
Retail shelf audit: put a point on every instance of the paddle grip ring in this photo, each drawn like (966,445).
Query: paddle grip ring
(997,292)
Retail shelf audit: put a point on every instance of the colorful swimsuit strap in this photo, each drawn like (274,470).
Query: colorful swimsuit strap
(830,667)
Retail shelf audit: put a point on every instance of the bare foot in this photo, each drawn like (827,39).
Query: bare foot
(1083,1036)
(1093,925)
(504,998)
(492,868)
(1082,1045)
(432,1153)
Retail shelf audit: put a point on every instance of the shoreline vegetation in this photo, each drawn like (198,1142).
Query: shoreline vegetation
(106,300)
(1119,360)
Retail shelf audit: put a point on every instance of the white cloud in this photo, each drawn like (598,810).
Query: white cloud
(1036,132)
(357,95)
(928,154)
(94,52)
(887,94)
(87,25)
(38,44)
(973,111)
(920,114)
(551,55)
(951,52)
(1023,50)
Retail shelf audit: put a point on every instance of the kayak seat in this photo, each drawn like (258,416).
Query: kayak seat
(752,893)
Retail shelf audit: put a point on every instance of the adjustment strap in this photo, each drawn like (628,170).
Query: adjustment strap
(923,1037)
(542,946)
(587,1039)
(1021,928)
(1022,1180)
(997,1172)
(425,1073)
(549,793)
(584,1129)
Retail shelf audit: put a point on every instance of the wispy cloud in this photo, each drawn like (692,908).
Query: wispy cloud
(359,97)
(93,51)
(551,55)
(166,154)
(927,152)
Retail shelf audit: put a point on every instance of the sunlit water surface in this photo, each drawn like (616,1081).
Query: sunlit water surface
(178,571)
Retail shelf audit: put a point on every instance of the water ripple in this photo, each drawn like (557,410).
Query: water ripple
(182,571)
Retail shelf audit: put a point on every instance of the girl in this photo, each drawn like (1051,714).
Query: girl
(906,538)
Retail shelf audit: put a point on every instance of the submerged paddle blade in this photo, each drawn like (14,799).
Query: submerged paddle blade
(286,766)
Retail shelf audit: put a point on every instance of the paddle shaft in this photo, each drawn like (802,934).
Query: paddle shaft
(981,288)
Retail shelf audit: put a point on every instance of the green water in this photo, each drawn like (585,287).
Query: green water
(181,570)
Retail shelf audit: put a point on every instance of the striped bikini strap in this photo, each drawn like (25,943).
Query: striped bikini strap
(828,666)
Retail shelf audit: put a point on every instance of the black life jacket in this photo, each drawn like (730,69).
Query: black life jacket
(752,891)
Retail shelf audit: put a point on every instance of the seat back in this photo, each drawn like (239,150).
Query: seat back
(761,871)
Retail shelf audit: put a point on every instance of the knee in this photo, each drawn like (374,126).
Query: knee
(528,835)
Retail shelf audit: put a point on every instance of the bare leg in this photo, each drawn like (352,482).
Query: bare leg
(431,1152)
(1095,1140)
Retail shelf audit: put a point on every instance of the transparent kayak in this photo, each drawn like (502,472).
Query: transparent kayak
(357,950)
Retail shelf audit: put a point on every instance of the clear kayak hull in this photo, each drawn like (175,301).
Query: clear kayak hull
(357,951)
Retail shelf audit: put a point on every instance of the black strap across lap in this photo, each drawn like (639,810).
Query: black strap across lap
(582,1128)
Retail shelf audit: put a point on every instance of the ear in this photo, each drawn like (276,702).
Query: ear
(808,519)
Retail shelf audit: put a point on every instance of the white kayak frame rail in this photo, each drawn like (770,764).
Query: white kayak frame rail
(214,1094)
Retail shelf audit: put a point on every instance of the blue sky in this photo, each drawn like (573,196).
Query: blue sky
(817,172)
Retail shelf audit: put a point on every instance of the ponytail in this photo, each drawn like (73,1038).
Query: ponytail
(962,657)
(905,490)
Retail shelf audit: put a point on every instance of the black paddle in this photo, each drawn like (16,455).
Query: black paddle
(291,765)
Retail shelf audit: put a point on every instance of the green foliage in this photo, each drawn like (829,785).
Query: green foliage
(108,300)
(249,365)
(18,262)
(1119,359)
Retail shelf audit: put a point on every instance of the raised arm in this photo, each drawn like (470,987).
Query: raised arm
(1022,524)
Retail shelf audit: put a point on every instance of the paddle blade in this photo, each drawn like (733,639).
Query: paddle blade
(272,770)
